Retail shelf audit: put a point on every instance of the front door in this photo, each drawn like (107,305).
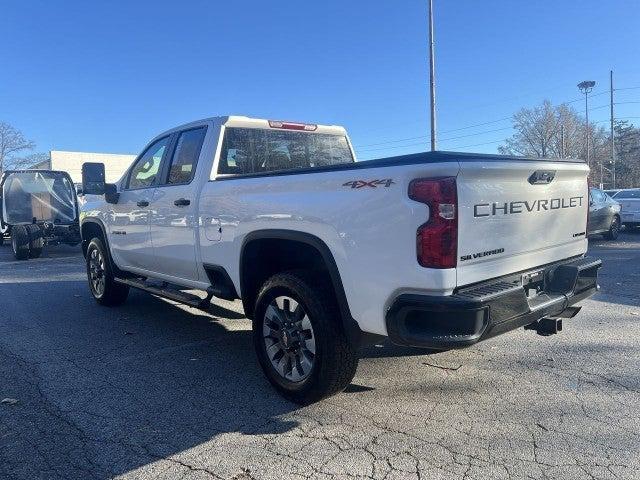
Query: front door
(129,234)
(174,220)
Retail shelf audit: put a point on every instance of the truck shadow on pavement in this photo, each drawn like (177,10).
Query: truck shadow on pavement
(110,390)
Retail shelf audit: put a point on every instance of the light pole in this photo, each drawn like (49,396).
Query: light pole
(432,82)
(586,87)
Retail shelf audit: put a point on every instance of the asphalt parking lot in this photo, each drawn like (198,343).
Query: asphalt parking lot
(157,390)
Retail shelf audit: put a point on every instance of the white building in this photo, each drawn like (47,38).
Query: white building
(71,162)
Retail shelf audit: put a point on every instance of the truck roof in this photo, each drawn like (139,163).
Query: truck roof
(250,122)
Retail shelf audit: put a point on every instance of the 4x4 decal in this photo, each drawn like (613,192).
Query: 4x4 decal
(387,182)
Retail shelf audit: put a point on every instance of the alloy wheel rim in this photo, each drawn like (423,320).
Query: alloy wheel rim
(96,272)
(289,339)
(615,226)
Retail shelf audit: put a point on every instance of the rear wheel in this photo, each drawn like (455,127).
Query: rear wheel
(36,241)
(20,242)
(614,229)
(105,290)
(299,338)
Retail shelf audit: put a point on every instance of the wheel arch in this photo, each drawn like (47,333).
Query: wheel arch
(274,244)
(92,227)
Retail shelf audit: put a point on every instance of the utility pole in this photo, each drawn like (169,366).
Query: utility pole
(613,146)
(586,87)
(563,147)
(432,82)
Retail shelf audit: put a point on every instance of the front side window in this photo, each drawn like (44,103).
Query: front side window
(185,156)
(253,150)
(145,171)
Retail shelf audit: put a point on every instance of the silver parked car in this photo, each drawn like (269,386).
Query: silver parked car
(629,200)
(604,215)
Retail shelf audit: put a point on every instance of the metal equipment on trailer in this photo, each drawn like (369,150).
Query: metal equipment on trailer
(39,207)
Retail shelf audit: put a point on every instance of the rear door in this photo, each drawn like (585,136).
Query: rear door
(518,214)
(174,217)
(598,211)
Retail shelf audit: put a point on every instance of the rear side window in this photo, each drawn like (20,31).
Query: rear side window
(145,170)
(252,150)
(185,155)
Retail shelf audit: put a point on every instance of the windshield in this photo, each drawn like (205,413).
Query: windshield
(628,194)
(253,150)
(45,196)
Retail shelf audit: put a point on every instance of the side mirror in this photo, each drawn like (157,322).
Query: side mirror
(93,178)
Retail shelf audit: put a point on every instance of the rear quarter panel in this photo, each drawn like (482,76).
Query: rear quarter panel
(371,231)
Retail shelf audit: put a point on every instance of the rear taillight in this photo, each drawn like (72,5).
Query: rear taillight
(437,240)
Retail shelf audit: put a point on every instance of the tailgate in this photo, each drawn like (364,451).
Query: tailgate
(517,215)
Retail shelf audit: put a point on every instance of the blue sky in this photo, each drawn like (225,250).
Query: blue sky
(107,76)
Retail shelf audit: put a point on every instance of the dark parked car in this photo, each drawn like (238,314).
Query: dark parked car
(604,215)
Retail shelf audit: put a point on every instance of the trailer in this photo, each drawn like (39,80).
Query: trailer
(39,207)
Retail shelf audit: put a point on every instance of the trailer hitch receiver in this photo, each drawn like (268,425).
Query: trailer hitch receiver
(546,326)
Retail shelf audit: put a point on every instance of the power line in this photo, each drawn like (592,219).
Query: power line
(476,125)
(426,136)
(365,147)
(392,147)
(476,106)
(495,141)
(391,141)
(479,144)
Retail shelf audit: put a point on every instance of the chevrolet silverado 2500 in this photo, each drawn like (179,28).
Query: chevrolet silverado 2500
(437,250)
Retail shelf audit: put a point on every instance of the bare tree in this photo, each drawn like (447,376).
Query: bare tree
(28,161)
(536,131)
(12,141)
(556,131)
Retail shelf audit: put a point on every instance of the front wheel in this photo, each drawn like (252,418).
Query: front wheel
(36,241)
(614,229)
(299,338)
(105,290)
(20,242)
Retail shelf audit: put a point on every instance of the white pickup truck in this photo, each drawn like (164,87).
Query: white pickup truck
(437,250)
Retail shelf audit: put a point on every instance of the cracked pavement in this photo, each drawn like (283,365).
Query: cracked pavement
(155,390)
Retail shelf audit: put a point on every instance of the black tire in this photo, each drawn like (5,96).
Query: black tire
(36,241)
(98,263)
(20,242)
(614,229)
(334,360)
(1,239)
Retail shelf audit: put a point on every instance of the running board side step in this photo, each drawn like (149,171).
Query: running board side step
(170,293)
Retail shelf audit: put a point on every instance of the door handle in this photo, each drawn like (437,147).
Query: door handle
(143,203)
(182,202)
